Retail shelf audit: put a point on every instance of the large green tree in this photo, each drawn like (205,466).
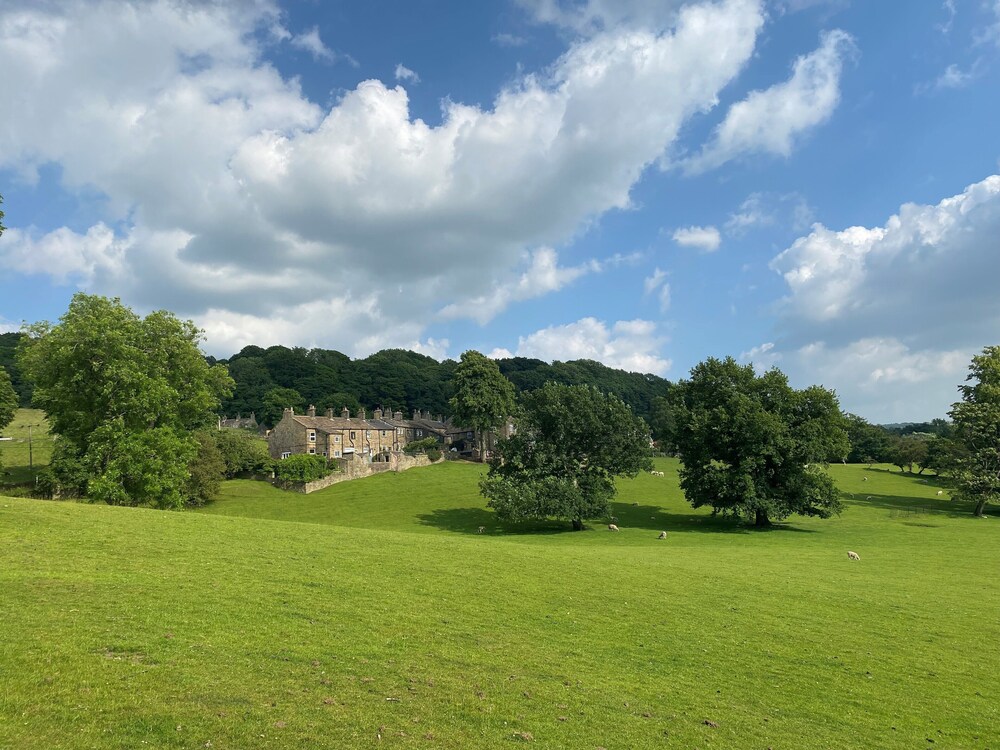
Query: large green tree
(977,426)
(869,443)
(755,447)
(483,398)
(571,442)
(123,394)
(8,403)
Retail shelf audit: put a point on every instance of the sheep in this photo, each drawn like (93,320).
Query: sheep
(663,535)
(482,530)
(853,555)
(864,479)
(612,527)
(940,492)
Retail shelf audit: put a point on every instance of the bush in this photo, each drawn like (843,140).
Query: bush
(433,454)
(244,452)
(300,467)
(418,446)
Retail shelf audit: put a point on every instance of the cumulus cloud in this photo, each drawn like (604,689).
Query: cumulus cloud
(762,357)
(594,16)
(770,121)
(706,239)
(891,315)
(631,345)
(403,73)
(311,43)
(237,201)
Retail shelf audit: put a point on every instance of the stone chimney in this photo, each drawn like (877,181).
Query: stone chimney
(329,413)
(416,414)
(289,411)
(397,416)
(345,413)
(377,414)
(361,413)
(311,411)
(440,417)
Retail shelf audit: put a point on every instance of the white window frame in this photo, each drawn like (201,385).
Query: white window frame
(286,454)
(312,436)
(336,438)
(312,451)
(336,454)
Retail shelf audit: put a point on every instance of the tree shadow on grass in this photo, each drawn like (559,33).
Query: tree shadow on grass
(908,508)
(628,516)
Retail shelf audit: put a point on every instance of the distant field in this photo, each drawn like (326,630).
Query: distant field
(18,455)
(375,616)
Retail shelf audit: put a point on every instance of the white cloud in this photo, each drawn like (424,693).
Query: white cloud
(403,73)
(594,16)
(762,357)
(311,43)
(768,209)
(657,284)
(706,239)
(542,276)
(891,315)
(240,202)
(631,345)
(505,39)
(771,120)
(7,326)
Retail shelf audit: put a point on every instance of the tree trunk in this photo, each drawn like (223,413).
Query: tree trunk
(980,507)
(577,524)
(762,520)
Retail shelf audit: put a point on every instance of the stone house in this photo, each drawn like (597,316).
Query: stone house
(239,423)
(342,437)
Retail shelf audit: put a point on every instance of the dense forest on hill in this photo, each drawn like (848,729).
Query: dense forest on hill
(396,379)
(8,361)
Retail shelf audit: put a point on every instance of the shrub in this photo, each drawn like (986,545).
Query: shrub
(300,467)
(420,445)
(243,452)
(433,454)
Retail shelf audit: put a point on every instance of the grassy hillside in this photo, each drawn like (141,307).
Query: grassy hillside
(386,621)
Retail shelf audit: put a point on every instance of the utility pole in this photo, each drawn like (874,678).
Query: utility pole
(31,462)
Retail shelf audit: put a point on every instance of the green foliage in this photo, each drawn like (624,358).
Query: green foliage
(977,426)
(8,361)
(123,393)
(337,401)
(869,443)
(434,454)
(944,455)
(572,441)
(483,397)
(662,424)
(205,470)
(752,446)
(8,400)
(242,452)
(300,467)
(905,451)
(276,401)
(418,446)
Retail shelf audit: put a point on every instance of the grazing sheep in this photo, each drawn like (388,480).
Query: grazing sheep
(853,555)
(864,479)
(635,505)
(868,498)
(663,535)
(612,527)
(482,530)
(940,492)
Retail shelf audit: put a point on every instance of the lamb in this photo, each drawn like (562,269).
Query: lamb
(853,555)
(612,527)
(663,535)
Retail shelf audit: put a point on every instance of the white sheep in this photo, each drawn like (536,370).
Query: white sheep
(482,530)
(853,555)
(663,535)
(612,527)
(864,479)
(940,492)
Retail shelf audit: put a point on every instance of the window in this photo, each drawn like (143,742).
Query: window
(336,438)
(286,454)
(336,454)
(420,433)
(324,454)
(312,451)
(312,437)
(368,433)
(383,433)
(352,434)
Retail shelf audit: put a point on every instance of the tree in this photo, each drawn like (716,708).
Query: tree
(906,451)
(2,227)
(205,470)
(483,397)
(869,443)
(8,399)
(571,443)
(977,426)
(753,446)
(944,454)
(122,394)
(276,401)
(662,423)
(242,452)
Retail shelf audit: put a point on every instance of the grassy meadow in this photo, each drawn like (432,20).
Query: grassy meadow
(20,456)
(372,614)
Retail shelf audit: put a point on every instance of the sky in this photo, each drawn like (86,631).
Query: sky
(807,184)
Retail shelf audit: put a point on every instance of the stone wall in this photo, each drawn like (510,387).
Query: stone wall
(356,468)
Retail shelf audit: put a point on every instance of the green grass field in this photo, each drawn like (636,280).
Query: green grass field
(21,457)
(372,614)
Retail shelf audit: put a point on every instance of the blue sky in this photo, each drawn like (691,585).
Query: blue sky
(811,184)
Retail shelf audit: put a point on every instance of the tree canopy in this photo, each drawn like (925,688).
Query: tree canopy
(123,394)
(483,397)
(977,427)
(8,399)
(571,442)
(753,446)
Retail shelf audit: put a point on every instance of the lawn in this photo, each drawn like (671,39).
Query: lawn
(371,614)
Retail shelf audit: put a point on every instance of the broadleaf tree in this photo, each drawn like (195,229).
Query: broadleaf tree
(122,394)
(483,398)
(8,403)
(977,426)
(752,446)
(571,443)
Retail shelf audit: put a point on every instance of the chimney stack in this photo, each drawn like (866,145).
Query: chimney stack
(329,413)
(345,413)
(397,416)
(311,411)
(289,411)
(361,413)
(416,414)
(377,414)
